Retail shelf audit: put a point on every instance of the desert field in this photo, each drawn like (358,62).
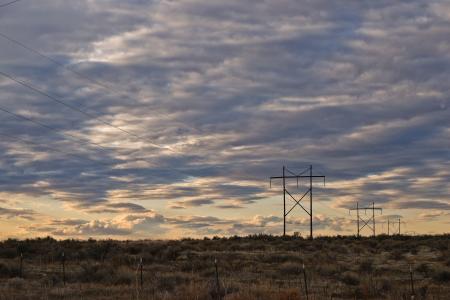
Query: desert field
(252,267)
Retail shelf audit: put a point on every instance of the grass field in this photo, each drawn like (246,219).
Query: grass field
(253,267)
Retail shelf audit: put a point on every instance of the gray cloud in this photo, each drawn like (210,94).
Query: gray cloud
(424,205)
(237,89)
(120,207)
(11,213)
(68,222)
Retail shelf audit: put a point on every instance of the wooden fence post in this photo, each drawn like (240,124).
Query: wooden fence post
(63,262)
(413,294)
(21,265)
(141,266)
(306,282)
(217,280)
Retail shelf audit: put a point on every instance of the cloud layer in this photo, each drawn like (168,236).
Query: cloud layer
(212,98)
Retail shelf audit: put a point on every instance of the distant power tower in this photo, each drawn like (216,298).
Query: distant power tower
(297,202)
(365,222)
(394,225)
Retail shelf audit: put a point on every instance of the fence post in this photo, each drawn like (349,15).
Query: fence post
(21,265)
(413,294)
(217,279)
(63,262)
(141,266)
(306,282)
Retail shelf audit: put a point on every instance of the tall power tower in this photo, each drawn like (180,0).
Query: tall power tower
(309,192)
(365,222)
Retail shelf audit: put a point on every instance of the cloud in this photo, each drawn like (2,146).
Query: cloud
(336,224)
(229,92)
(196,221)
(229,206)
(424,204)
(433,215)
(119,207)
(68,222)
(193,202)
(93,228)
(137,224)
(11,213)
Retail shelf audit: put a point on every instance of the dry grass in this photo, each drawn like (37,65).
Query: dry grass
(255,267)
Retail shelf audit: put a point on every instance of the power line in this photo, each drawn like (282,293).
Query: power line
(18,116)
(74,155)
(9,3)
(342,215)
(73,137)
(90,80)
(77,139)
(53,149)
(87,78)
(89,115)
(133,196)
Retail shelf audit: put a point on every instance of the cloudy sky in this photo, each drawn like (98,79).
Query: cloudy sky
(165,119)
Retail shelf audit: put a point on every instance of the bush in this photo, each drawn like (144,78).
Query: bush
(350,278)
(16,283)
(366,266)
(329,270)
(290,269)
(442,275)
(96,273)
(386,285)
(123,276)
(9,270)
(423,268)
(168,282)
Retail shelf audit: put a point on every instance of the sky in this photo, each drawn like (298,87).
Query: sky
(165,119)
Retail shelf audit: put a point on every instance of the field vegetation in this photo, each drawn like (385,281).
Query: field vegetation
(252,267)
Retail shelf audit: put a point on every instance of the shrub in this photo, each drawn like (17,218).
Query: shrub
(96,273)
(366,266)
(329,270)
(350,278)
(9,270)
(168,282)
(423,268)
(290,268)
(386,285)
(442,275)
(16,283)
(123,276)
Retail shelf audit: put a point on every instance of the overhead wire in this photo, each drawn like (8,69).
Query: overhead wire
(87,114)
(86,78)
(8,3)
(79,157)
(22,45)
(71,136)
(83,76)
(51,148)
(318,201)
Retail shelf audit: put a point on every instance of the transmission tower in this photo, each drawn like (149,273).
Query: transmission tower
(367,221)
(394,225)
(309,192)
